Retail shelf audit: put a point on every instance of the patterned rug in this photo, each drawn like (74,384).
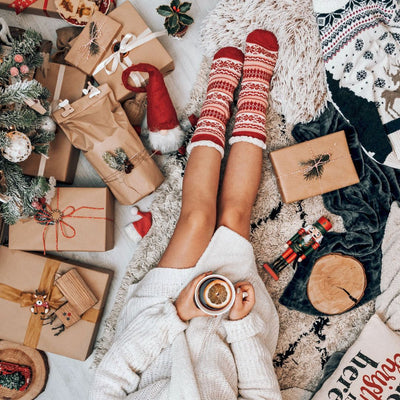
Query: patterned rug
(298,94)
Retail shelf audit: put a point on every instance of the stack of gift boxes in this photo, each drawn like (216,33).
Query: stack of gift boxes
(37,308)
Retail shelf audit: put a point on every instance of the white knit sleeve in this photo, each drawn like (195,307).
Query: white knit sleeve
(135,349)
(256,375)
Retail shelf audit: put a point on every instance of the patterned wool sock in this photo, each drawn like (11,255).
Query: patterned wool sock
(225,74)
(260,58)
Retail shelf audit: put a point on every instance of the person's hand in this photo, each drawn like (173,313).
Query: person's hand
(185,305)
(244,301)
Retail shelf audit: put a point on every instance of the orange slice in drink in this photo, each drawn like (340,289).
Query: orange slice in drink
(217,294)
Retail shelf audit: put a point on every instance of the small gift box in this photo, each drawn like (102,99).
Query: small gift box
(77,219)
(64,82)
(26,279)
(97,124)
(38,7)
(314,167)
(121,39)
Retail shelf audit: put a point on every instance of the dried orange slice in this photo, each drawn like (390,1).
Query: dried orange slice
(217,294)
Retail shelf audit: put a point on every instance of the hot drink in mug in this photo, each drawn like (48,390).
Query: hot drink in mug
(215,294)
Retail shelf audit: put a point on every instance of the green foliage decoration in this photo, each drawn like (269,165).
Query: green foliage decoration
(175,15)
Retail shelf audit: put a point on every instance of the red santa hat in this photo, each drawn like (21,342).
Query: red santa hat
(141,224)
(165,133)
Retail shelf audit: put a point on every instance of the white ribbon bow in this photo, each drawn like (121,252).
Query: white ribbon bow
(128,43)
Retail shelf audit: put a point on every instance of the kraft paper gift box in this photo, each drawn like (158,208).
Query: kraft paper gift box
(123,39)
(21,274)
(46,8)
(64,82)
(97,124)
(314,167)
(77,219)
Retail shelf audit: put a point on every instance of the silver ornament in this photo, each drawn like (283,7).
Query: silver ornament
(48,125)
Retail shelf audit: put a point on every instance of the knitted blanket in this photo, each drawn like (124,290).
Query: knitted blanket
(298,94)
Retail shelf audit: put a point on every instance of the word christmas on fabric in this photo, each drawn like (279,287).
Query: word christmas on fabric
(373,383)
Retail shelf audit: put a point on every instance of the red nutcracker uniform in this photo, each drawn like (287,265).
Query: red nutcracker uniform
(303,243)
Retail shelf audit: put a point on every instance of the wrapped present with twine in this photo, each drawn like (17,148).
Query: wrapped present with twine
(77,219)
(98,125)
(314,167)
(64,82)
(110,44)
(27,277)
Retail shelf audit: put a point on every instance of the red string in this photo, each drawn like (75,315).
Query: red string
(48,216)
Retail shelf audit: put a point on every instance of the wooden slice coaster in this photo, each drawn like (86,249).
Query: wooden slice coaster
(26,356)
(337,283)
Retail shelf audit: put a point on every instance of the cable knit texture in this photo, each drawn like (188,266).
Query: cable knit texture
(157,356)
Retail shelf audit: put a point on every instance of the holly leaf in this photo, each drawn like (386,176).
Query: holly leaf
(175,3)
(185,7)
(174,29)
(173,21)
(185,19)
(165,11)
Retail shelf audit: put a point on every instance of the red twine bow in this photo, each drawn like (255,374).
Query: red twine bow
(49,216)
(21,5)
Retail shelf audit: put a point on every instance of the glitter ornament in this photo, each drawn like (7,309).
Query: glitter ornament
(18,58)
(19,147)
(48,125)
(14,71)
(24,69)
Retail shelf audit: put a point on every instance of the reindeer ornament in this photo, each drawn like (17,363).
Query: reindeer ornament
(41,305)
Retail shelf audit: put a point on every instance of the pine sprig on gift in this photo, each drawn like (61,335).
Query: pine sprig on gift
(24,119)
(118,160)
(93,33)
(314,167)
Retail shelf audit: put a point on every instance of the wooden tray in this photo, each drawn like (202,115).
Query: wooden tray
(23,355)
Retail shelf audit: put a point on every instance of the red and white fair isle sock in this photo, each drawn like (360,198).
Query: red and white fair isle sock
(260,58)
(225,74)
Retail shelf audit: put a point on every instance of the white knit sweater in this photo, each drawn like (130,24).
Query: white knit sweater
(157,356)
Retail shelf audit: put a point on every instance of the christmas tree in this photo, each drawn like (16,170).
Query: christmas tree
(25,124)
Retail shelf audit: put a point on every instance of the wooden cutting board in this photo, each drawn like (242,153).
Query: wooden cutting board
(337,283)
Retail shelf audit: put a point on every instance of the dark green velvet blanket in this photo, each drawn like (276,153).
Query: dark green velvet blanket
(364,208)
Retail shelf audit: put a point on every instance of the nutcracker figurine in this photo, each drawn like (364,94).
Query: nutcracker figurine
(303,243)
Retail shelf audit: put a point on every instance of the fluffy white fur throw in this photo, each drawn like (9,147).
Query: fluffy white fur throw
(298,94)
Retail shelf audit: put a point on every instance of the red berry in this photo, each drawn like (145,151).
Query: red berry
(178,10)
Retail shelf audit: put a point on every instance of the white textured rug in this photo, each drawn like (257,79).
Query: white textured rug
(298,93)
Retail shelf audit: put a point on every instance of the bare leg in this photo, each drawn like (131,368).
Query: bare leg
(240,187)
(197,220)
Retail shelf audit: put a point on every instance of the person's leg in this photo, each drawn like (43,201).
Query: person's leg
(197,220)
(243,170)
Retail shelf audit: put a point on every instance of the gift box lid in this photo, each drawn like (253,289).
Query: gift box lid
(21,274)
(314,167)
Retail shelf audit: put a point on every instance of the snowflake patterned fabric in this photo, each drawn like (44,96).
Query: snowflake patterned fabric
(360,42)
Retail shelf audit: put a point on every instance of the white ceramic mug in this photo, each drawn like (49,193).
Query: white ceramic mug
(200,301)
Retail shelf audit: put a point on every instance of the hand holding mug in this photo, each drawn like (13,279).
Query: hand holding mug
(244,301)
(185,305)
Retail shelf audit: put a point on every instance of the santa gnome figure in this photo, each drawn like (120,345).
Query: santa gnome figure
(165,132)
(140,225)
